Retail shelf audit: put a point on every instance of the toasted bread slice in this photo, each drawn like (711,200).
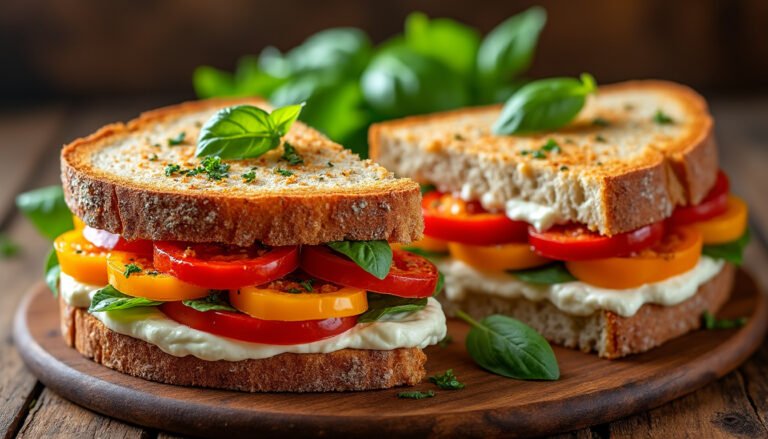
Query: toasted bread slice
(116,180)
(344,370)
(605,332)
(620,168)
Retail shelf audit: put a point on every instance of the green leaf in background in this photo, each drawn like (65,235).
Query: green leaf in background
(732,252)
(248,80)
(547,275)
(216,301)
(52,271)
(400,82)
(510,348)
(380,305)
(507,51)
(8,248)
(448,41)
(546,104)
(244,131)
(47,210)
(342,50)
(375,257)
(109,299)
(340,114)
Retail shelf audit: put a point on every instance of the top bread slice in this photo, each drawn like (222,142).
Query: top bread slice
(620,167)
(115,180)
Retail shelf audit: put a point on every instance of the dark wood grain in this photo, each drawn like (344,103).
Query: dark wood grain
(591,390)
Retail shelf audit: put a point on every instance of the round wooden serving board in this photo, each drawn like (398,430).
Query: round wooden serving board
(590,391)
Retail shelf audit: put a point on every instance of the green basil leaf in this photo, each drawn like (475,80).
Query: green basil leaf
(109,299)
(375,257)
(248,80)
(401,82)
(443,39)
(709,321)
(244,131)
(510,348)
(343,51)
(47,210)
(216,301)
(440,284)
(52,271)
(211,82)
(547,275)
(546,104)
(732,252)
(507,51)
(426,253)
(380,305)
(282,118)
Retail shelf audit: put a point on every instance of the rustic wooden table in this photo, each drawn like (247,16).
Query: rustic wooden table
(734,406)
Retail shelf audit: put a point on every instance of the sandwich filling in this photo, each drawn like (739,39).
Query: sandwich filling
(223,302)
(534,256)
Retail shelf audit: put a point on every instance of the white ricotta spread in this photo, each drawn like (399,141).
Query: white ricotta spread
(417,329)
(540,216)
(579,298)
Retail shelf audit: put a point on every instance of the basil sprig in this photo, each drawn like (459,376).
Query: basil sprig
(46,209)
(215,301)
(555,273)
(245,131)
(375,257)
(732,252)
(546,104)
(380,305)
(52,272)
(109,299)
(510,348)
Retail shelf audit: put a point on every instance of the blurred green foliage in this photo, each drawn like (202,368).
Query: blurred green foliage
(347,83)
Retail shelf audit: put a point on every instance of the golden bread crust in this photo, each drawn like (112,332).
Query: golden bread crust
(142,203)
(340,371)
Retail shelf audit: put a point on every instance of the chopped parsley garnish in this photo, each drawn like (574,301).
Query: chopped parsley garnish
(709,321)
(330,164)
(249,177)
(172,169)
(447,381)
(293,291)
(307,285)
(152,273)
(283,172)
(156,145)
(130,269)
(539,155)
(416,394)
(458,136)
(563,168)
(600,122)
(551,145)
(599,138)
(662,118)
(153,158)
(524,152)
(178,140)
(290,155)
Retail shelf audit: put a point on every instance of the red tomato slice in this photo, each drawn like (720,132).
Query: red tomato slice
(452,219)
(410,276)
(112,241)
(576,243)
(242,327)
(714,204)
(223,267)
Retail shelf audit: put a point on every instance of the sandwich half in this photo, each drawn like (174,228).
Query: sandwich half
(613,234)
(272,273)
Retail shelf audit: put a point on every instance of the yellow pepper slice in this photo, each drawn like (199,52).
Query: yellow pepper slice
(427,244)
(80,259)
(678,252)
(727,227)
(123,273)
(267,302)
(497,258)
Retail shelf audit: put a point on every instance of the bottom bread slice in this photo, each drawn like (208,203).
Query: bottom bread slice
(344,370)
(606,332)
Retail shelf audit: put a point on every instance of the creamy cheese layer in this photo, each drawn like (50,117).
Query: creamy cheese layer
(540,216)
(418,329)
(578,298)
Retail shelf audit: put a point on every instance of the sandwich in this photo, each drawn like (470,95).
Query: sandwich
(222,244)
(613,233)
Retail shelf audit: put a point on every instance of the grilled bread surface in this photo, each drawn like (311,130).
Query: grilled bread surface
(637,150)
(116,180)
